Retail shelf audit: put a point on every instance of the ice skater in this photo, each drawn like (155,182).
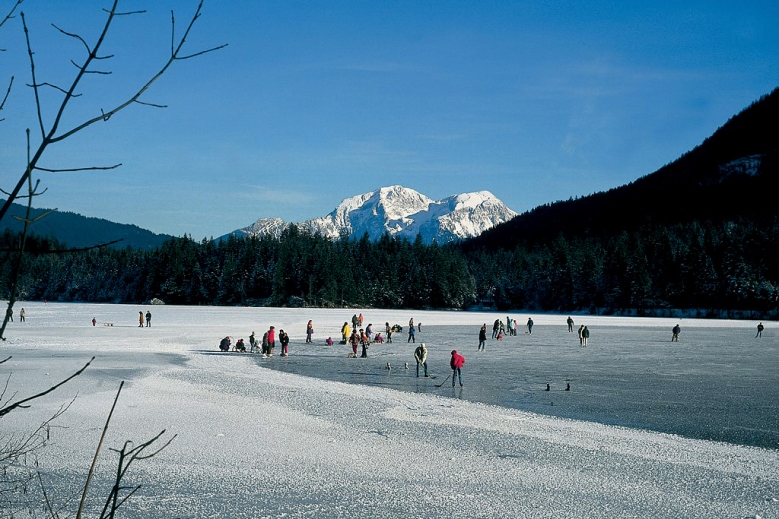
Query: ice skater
(570,324)
(411,337)
(759,329)
(585,336)
(482,337)
(148,318)
(530,325)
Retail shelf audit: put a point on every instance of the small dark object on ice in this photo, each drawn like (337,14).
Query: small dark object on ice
(389,366)
(547,386)
(406,365)
(568,386)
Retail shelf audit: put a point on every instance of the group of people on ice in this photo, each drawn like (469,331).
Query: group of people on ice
(498,329)
(265,346)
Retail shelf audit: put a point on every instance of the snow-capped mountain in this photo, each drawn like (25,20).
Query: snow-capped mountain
(401,212)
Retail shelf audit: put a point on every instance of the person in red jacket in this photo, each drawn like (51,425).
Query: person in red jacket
(456,364)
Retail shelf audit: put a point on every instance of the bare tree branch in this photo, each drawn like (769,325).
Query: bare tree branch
(52,135)
(174,57)
(7,93)
(97,452)
(11,13)
(55,87)
(126,458)
(87,168)
(34,82)
(20,404)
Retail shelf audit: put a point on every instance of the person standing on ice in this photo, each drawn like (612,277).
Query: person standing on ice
(355,340)
(94,321)
(388,331)
(271,340)
(252,343)
(456,363)
(284,340)
(675,333)
(581,339)
(759,329)
(309,331)
(22,313)
(495,328)
(346,332)
(369,332)
(360,319)
(364,342)
(482,337)
(265,344)
(148,318)
(411,337)
(570,324)
(530,325)
(140,319)
(585,336)
(420,355)
(355,322)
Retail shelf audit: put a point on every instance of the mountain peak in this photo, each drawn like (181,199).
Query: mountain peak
(403,212)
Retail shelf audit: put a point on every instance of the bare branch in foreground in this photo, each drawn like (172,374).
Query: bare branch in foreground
(21,403)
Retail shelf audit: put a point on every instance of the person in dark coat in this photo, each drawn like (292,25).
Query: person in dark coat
(759,330)
(570,324)
(585,336)
(530,325)
(309,332)
(284,340)
(224,344)
(148,318)
(675,333)
(456,363)
(482,337)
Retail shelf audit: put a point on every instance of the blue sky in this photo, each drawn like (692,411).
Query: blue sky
(313,102)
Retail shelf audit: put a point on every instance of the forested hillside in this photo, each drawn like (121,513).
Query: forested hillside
(732,175)
(713,268)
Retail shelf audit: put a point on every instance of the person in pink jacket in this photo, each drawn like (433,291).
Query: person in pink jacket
(271,340)
(456,364)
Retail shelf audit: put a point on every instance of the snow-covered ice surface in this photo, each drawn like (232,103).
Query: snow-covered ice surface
(259,442)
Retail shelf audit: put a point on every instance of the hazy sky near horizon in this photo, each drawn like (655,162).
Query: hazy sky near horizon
(313,102)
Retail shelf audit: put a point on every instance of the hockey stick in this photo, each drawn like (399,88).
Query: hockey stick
(444,382)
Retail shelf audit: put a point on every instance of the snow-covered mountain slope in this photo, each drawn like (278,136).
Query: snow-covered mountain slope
(401,212)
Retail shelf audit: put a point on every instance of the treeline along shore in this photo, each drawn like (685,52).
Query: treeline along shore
(728,269)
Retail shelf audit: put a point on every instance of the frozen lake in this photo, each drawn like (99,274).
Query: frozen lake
(715,383)
(257,442)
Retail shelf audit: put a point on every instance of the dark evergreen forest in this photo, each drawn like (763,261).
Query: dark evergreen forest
(730,266)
